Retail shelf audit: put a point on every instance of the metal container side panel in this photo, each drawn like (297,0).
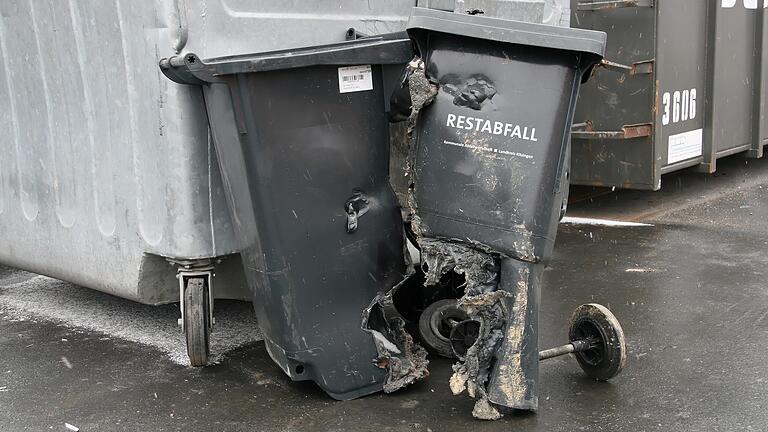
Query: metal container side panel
(612,99)
(763,103)
(42,200)
(681,76)
(225,27)
(105,159)
(551,12)
(733,82)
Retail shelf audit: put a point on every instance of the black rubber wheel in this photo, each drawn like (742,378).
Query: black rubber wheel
(608,353)
(436,323)
(196,327)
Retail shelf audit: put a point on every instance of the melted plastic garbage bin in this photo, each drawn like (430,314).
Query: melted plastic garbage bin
(490,174)
(302,140)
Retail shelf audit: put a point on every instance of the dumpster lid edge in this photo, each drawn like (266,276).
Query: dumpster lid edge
(509,31)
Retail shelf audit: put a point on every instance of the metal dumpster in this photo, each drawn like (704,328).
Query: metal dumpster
(551,12)
(108,171)
(685,85)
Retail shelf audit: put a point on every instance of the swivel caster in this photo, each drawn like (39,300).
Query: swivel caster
(196,304)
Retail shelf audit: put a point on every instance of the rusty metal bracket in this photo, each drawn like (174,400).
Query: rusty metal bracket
(586,131)
(644,67)
(612,4)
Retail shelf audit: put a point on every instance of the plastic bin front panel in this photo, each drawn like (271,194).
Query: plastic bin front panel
(486,169)
(307,150)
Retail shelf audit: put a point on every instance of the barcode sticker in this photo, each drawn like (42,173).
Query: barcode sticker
(355,79)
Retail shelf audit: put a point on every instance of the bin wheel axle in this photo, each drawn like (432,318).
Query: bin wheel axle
(573,347)
(597,341)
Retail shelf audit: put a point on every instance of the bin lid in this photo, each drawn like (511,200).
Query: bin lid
(501,30)
(393,48)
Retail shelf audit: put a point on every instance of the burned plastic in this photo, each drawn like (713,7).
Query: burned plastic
(490,149)
(490,128)
(302,141)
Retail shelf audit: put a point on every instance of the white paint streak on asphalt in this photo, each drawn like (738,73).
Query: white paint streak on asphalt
(42,298)
(601,222)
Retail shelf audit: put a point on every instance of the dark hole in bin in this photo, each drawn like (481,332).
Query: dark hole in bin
(299,369)
(413,297)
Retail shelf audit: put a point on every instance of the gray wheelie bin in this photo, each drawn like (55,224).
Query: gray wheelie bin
(302,141)
(490,172)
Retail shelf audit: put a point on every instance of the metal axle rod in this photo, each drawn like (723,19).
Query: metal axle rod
(575,346)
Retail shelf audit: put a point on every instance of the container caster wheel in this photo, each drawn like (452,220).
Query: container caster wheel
(196,321)
(436,324)
(601,349)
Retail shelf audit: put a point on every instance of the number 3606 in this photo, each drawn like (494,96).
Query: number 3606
(678,106)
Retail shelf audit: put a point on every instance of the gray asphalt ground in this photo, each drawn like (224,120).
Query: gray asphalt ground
(691,292)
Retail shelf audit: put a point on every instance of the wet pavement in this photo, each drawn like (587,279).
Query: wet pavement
(691,292)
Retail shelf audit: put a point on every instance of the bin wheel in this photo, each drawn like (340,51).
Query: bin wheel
(197,329)
(436,323)
(463,336)
(608,352)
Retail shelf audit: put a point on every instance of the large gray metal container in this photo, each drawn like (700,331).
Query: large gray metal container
(688,86)
(107,168)
(550,12)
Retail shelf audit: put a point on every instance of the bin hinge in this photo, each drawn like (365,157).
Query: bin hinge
(597,5)
(355,207)
(586,130)
(644,67)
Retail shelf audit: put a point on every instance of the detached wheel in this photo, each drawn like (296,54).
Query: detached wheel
(197,329)
(608,352)
(436,323)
